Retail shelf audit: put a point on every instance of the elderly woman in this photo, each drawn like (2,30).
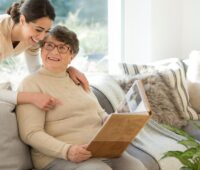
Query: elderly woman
(59,137)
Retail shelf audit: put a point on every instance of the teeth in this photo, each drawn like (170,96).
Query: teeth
(35,40)
(54,59)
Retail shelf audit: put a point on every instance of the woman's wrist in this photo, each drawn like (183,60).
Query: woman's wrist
(67,153)
(25,97)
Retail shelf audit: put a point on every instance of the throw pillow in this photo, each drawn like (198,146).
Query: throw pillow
(193,77)
(14,153)
(164,100)
(174,75)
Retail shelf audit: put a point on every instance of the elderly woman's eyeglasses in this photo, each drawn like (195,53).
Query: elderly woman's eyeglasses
(62,48)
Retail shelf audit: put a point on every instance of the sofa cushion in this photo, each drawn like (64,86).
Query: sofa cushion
(173,76)
(5,85)
(14,154)
(109,87)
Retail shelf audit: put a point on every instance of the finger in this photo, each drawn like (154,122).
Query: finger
(83,151)
(85,84)
(77,81)
(85,157)
(48,107)
(85,146)
(54,101)
(82,158)
(86,87)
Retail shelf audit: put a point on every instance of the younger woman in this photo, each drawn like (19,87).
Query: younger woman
(25,24)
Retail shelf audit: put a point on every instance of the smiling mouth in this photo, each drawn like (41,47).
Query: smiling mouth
(34,40)
(53,59)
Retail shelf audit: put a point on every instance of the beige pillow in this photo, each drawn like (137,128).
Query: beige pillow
(176,78)
(164,99)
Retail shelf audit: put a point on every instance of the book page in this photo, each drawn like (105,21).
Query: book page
(135,100)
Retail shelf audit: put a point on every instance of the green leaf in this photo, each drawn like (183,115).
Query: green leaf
(178,131)
(189,143)
(190,158)
(189,153)
(180,156)
(172,154)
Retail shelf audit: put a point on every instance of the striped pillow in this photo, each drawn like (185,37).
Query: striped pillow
(134,69)
(175,72)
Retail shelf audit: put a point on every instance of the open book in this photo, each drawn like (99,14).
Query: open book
(121,127)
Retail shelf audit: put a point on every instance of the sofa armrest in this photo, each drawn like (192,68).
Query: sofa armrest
(104,102)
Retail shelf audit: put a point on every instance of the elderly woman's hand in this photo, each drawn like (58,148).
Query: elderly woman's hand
(78,153)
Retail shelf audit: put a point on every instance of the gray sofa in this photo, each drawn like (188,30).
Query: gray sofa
(15,154)
(105,90)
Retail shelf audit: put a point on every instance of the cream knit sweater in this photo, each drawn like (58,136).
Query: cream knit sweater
(75,121)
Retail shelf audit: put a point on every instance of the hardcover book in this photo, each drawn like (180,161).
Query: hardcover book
(121,127)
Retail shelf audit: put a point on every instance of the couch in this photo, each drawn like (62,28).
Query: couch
(109,95)
(109,92)
(15,154)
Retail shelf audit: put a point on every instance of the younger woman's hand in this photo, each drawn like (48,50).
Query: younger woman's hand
(78,78)
(41,100)
(78,153)
(45,101)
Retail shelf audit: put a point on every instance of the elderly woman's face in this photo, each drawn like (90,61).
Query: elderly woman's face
(56,55)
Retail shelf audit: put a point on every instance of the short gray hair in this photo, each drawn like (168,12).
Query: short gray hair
(63,34)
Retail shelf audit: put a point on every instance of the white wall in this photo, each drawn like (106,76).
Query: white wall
(166,28)
(158,29)
(191,26)
(136,30)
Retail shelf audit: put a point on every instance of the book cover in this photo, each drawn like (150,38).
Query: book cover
(122,126)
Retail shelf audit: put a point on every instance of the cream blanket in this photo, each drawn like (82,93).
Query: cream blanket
(156,140)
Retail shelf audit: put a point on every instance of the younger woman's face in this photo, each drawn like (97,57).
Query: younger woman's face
(35,31)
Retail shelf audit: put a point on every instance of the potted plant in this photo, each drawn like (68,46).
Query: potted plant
(190,158)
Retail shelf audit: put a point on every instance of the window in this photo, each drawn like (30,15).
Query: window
(89,19)
(98,26)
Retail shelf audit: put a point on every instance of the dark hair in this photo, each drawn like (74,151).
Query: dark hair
(63,34)
(31,9)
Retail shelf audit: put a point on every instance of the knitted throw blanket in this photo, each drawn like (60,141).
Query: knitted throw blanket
(156,140)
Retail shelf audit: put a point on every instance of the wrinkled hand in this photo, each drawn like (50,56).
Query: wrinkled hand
(78,78)
(78,153)
(45,101)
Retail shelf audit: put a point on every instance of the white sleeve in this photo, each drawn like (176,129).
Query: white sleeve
(8,96)
(32,58)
